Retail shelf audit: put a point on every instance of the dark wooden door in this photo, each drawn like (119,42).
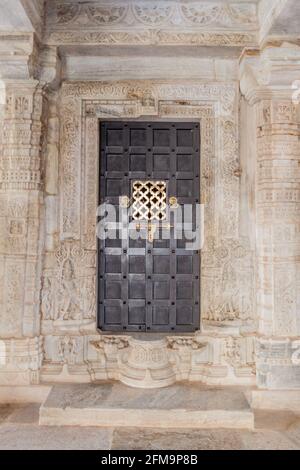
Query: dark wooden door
(149,285)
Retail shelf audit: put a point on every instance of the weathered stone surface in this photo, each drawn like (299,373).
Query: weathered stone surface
(180,405)
(155,439)
(30,437)
(20,430)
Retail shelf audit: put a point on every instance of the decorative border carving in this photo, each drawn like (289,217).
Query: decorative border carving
(169,23)
(149,38)
(215,105)
(83,104)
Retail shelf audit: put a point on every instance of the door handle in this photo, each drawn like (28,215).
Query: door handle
(173,202)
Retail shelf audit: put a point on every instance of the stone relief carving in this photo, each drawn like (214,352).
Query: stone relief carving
(232,351)
(153,37)
(178,342)
(68,349)
(154,14)
(66,13)
(106,14)
(170,22)
(168,13)
(64,358)
(21,360)
(285,321)
(207,14)
(68,291)
(107,343)
(228,281)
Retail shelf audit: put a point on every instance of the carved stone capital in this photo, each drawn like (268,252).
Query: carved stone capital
(22,57)
(18,56)
(50,67)
(271,73)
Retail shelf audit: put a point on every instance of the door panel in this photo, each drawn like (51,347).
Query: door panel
(143,284)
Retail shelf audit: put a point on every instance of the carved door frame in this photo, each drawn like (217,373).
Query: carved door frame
(215,106)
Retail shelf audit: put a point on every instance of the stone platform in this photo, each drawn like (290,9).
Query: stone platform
(115,405)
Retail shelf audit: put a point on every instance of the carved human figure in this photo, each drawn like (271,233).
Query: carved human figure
(88,300)
(67,293)
(47,300)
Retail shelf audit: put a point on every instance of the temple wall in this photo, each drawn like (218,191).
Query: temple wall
(250,281)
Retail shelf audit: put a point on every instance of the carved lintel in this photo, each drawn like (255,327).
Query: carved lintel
(179,342)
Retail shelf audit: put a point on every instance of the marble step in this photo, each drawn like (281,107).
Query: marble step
(183,405)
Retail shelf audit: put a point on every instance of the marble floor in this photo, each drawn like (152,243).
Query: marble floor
(19,429)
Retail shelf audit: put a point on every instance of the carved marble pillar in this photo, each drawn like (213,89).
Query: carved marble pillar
(21,213)
(267,84)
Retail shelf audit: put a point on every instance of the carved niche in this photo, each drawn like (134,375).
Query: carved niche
(68,290)
(227,259)
(73,348)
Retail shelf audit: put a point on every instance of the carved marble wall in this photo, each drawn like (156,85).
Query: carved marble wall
(73,349)
(250,276)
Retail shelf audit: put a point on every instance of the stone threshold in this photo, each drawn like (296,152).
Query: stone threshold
(113,404)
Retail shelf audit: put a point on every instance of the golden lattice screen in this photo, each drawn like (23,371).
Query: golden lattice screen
(149,200)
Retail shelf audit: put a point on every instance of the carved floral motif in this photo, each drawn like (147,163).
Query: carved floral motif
(168,22)
(185,342)
(157,13)
(67,13)
(154,14)
(106,14)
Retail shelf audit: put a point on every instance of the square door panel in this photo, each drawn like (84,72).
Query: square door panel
(137,289)
(139,243)
(184,290)
(161,264)
(161,290)
(185,163)
(185,188)
(114,137)
(161,137)
(185,137)
(184,314)
(161,315)
(113,290)
(113,264)
(161,162)
(114,187)
(184,264)
(137,162)
(137,264)
(116,162)
(137,315)
(138,137)
(113,315)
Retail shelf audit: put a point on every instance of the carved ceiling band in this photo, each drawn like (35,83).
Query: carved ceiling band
(167,13)
(137,22)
